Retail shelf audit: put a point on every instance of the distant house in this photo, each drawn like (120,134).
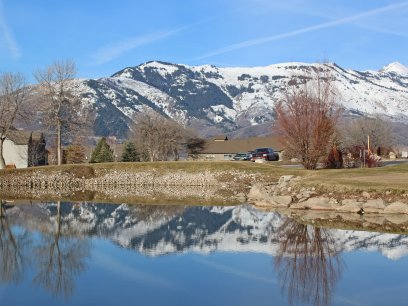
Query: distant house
(222,148)
(24,149)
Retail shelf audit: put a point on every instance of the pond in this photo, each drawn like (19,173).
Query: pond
(60,253)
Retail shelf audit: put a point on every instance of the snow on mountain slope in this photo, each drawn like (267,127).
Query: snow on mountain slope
(395,67)
(235,97)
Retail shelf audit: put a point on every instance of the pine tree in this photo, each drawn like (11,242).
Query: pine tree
(130,153)
(102,152)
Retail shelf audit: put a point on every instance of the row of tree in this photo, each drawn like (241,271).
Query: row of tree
(153,138)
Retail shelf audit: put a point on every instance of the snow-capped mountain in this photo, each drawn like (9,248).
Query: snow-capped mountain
(227,99)
(395,67)
(156,231)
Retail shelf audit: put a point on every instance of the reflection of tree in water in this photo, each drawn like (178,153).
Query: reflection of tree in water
(60,259)
(12,247)
(308,263)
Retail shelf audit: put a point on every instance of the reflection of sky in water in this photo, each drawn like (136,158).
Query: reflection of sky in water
(97,269)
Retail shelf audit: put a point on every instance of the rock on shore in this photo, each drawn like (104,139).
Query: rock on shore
(286,194)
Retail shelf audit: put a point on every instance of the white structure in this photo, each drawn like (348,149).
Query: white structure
(23,149)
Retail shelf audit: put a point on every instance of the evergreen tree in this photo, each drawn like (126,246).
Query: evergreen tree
(102,152)
(130,153)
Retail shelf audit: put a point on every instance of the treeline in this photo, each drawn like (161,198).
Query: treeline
(63,114)
(153,138)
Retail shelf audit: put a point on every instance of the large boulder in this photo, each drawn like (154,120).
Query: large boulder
(261,195)
(374,206)
(397,218)
(316,203)
(396,208)
(350,201)
(258,192)
(353,207)
(281,201)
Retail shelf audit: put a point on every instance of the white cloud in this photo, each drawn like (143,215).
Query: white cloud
(324,25)
(115,50)
(7,34)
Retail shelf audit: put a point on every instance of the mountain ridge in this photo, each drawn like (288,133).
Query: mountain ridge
(227,99)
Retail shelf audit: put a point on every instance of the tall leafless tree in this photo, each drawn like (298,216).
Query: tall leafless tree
(62,107)
(307,117)
(13,96)
(161,138)
(356,132)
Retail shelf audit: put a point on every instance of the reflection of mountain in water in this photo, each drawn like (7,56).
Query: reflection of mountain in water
(159,230)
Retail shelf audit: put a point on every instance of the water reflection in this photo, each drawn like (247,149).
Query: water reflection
(308,263)
(53,242)
(57,258)
(12,248)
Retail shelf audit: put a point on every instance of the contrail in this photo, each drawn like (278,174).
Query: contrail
(115,50)
(262,40)
(8,35)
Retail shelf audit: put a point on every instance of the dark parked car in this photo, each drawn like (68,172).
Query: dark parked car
(242,156)
(265,153)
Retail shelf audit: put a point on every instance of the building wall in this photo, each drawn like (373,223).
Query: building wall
(15,154)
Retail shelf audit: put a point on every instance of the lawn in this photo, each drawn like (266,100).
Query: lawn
(390,178)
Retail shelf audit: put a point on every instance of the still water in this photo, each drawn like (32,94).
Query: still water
(107,254)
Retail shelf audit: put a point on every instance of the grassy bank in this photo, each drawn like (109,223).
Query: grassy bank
(383,179)
(268,171)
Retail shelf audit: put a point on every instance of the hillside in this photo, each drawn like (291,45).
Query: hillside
(236,100)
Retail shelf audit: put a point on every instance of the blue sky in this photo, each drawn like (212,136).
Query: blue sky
(103,36)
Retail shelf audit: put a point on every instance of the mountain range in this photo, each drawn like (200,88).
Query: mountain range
(236,100)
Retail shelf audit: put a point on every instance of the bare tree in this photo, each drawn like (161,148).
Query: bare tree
(161,138)
(62,107)
(195,145)
(307,117)
(13,96)
(356,132)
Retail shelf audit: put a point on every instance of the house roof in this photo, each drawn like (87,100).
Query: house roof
(20,137)
(241,145)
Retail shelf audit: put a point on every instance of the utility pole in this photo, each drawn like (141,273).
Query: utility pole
(368,144)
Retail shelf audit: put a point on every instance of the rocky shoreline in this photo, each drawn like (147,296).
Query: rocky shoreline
(288,194)
(223,187)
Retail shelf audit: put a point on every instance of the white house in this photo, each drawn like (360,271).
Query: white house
(23,149)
